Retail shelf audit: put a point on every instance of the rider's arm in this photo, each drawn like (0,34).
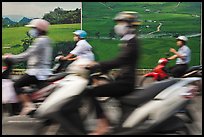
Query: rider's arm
(32,50)
(179,55)
(172,57)
(176,54)
(75,52)
(68,57)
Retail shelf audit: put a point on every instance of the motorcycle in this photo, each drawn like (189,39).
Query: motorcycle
(149,110)
(161,72)
(37,93)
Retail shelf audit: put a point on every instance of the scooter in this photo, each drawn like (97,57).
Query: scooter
(161,72)
(36,92)
(151,110)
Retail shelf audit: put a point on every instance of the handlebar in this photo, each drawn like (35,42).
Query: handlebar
(167,54)
(8,70)
(167,59)
(8,61)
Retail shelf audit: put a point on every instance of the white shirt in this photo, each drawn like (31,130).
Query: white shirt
(84,50)
(186,53)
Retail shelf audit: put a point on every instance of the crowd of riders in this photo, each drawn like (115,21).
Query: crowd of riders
(39,55)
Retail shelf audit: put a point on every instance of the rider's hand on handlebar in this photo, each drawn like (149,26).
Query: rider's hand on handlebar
(71,59)
(6,55)
(58,58)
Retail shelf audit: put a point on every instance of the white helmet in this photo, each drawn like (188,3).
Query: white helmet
(40,24)
(183,38)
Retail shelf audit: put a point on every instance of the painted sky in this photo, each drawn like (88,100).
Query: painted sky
(35,9)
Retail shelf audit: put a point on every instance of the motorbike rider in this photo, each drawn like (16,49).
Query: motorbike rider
(83,48)
(38,57)
(127,60)
(183,56)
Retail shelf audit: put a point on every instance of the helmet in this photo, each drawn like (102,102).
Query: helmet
(80,33)
(163,61)
(40,24)
(128,16)
(183,38)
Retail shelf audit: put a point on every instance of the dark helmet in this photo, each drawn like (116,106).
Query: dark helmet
(128,16)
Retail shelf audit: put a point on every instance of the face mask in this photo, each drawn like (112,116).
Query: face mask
(76,38)
(121,30)
(33,33)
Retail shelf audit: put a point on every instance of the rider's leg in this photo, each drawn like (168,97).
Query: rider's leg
(179,69)
(25,80)
(113,89)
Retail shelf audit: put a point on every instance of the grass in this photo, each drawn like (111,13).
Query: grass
(104,49)
(98,17)
(176,20)
(151,50)
(61,33)
(58,33)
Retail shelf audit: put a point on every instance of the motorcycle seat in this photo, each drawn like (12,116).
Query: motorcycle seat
(194,68)
(140,96)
